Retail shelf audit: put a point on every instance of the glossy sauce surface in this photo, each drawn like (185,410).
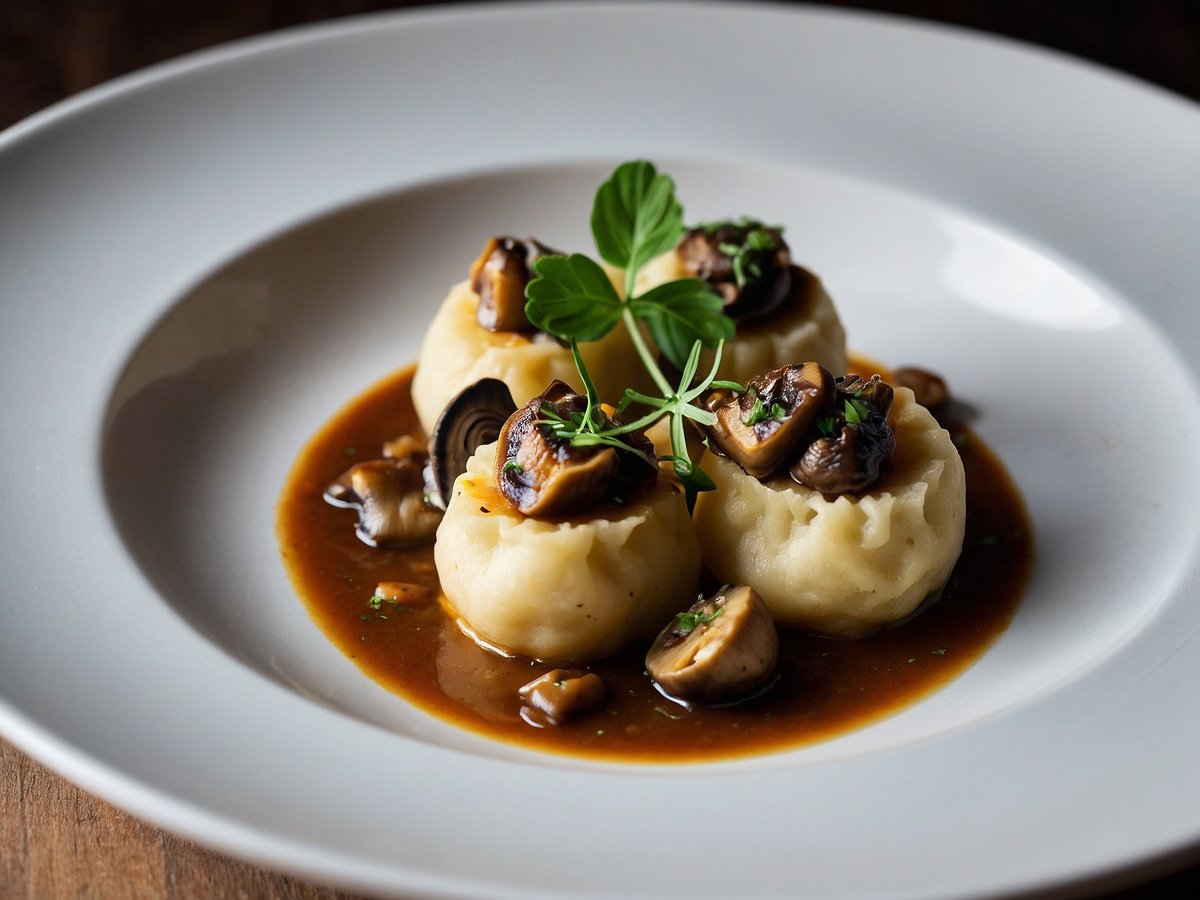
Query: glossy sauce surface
(825,686)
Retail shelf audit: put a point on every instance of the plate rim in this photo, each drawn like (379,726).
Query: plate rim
(94,772)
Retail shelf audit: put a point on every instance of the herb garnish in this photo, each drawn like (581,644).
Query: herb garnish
(635,217)
(690,621)
(759,238)
(760,413)
(377,601)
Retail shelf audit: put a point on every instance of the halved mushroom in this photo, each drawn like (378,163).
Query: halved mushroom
(389,495)
(761,427)
(746,262)
(559,694)
(542,475)
(858,446)
(474,417)
(723,648)
(499,277)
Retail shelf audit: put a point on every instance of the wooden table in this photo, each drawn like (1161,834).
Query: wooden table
(58,841)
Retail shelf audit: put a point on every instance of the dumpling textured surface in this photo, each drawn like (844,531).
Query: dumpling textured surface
(457,351)
(849,565)
(805,328)
(568,590)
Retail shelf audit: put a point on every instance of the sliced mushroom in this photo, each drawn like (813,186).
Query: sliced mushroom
(746,262)
(762,427)
(475,416)
(389,495)
(559,694)
(499,277)
(542,475)
(723,648)
(858,447)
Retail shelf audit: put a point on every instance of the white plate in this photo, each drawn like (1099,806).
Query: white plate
(200,263)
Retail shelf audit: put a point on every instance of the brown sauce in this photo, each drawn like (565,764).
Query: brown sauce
(825,686)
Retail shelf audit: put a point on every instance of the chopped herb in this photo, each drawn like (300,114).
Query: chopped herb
(758,239)
(690,621)
(513,466)
(827,426)
(760,413)
(912,659)
(377,601)
(857,411)
(941,652)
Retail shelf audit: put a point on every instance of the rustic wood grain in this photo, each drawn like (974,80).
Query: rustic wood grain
(57,841)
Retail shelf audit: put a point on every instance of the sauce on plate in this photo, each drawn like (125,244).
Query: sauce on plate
(825,686)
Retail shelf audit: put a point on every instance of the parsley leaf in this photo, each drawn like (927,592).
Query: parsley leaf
(572,298)
(679,313)
(635,216)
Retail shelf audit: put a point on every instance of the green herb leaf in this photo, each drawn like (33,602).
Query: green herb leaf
(761,413)
(856,411)
(679,313)
(827,426)
(690,621)
(635,216)
(571,297)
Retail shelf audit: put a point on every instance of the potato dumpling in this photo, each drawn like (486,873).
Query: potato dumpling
(806,327)
(848,565)
(564,590)
(458,351)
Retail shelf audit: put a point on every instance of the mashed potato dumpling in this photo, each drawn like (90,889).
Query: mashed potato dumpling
(564,590)
(457,352)
(849,565)
(806,327)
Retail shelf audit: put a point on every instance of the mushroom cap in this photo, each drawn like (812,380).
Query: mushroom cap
(499,276)
(762,427)
(389,495)
(747,263)
(561,693)
(861,446)
(544,476)
(723,648)
(473,417)
(928,387)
